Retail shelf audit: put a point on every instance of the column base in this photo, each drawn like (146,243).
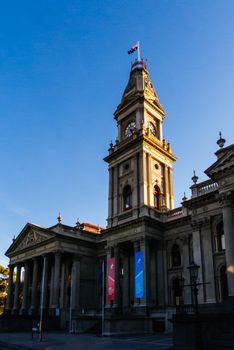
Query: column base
(32,312)
(55,311)
(141,309)
(23,312)
(116,310)
(15,312)
(8,312)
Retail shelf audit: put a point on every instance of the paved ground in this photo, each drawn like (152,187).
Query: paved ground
(54,341)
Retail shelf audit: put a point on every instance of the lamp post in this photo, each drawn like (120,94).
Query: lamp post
(193,271)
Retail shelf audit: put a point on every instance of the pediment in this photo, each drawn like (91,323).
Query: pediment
(223,164)
(30,236)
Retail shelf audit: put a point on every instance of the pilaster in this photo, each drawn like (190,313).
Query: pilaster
(228,225)
(75,284)
(56,284)
(34,301)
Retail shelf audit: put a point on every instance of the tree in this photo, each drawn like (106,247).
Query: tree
(4,274)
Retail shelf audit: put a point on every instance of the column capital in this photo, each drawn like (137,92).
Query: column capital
(202,222)
(11,267)
(108,249)
(226,199)
(57,253)
(136,244)
(76,256)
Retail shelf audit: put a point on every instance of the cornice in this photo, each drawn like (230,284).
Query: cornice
(133,142)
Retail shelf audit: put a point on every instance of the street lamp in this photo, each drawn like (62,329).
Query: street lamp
(193,271)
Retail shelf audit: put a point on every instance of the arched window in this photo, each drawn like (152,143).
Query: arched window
(175,256)
(156,197)
(220,240)
(127,197)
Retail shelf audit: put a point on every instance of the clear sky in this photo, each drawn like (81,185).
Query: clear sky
(63,68)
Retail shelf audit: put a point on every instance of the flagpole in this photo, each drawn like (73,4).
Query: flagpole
(138,51)
(103,298)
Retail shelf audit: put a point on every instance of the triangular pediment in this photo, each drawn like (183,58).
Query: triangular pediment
(30,236)
(224,163)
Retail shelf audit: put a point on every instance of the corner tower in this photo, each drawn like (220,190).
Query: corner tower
(140,162)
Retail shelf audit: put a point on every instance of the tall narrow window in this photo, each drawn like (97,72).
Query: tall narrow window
(175,256)
(127,197)
(220,239)
(156,197)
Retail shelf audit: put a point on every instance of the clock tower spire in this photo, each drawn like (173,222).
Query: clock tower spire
(140,162)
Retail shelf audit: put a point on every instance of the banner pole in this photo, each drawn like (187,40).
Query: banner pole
(42,299)
(103,298)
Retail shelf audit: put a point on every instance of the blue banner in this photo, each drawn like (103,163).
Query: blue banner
(139,277)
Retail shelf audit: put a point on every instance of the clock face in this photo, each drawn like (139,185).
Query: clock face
(152,129)
(130,129)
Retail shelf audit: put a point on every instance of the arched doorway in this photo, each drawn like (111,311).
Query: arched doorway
(177,291)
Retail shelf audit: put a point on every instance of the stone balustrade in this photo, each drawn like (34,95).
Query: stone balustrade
(203,188)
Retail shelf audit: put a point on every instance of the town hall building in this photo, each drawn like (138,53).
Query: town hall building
(147,245)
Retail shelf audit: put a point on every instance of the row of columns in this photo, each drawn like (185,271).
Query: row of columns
(13,296)
(228,225)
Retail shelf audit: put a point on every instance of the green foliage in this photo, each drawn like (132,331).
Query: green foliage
(4,273)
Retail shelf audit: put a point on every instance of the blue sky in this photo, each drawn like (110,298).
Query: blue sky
(63,68)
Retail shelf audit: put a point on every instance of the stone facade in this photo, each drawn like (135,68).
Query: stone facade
(59,269)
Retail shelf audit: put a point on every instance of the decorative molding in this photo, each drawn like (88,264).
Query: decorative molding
(202,222)
(32,239)
(226,199)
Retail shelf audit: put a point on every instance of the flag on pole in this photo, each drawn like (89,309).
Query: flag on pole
(133,48)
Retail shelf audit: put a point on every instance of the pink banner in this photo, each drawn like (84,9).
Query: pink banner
(111,278)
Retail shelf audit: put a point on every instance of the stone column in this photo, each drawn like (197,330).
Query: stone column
(228,225)
(186,275)
(117,276)
(24,306)
(62,285)
(44,282)
(208,267)
(17,289)
(197,255)
(51,286)
(152,263)
(75,284)
(34,286)
(144,247)
(108,256)
(10,289)
(56,284)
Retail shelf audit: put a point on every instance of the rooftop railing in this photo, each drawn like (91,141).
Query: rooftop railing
(203,188)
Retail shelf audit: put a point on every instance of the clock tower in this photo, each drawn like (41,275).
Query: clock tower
(140,161)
